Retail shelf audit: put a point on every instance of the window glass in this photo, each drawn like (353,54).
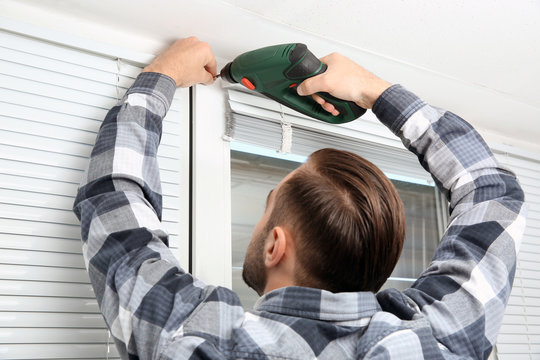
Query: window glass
(253,176)
(422,232)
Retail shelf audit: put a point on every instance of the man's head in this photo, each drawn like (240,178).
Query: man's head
(335,223)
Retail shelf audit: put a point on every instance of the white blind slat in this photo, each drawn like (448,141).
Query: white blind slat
(45,200)
(58,351)
(512,351)
(48,51)
(55,216)
(25,227)
(51,104)
(513,329)
(48,304)
(530,247)
(41,258)
(60,73)
(32,184)
(52,335)
(14,271)
(57,92)
(39,243)
(40,288)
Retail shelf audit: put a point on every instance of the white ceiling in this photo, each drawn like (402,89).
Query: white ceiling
(480,59)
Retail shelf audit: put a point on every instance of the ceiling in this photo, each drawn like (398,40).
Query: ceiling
(480,59)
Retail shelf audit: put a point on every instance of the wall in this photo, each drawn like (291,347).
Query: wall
(451,44)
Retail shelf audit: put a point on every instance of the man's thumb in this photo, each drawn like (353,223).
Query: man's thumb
(207,78)
(306,87)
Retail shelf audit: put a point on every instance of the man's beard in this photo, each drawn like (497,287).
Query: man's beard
(254,272)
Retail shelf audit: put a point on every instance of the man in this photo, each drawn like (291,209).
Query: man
(330,236)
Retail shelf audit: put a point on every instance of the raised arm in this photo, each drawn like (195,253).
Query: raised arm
(464,291)
(136,279)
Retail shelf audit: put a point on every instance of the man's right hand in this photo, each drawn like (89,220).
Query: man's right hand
(345,80)
(188,61)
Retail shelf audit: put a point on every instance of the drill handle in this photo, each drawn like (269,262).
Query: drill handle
(305,65)
(343,106)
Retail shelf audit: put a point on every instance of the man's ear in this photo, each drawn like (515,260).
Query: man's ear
(276,246)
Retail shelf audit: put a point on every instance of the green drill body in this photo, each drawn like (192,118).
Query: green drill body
(275,71)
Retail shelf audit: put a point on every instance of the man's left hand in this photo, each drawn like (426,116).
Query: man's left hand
(188,61)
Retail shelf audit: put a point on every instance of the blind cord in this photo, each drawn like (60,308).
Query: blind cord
(118,68)
(286,133)
(108,343)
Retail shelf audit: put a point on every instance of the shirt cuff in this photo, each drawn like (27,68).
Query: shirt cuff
(395,105)
(159,86)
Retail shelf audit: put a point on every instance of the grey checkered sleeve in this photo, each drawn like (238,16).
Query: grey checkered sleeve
(136,279)
(463,292)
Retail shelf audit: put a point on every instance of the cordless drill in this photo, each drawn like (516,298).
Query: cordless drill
(276,71)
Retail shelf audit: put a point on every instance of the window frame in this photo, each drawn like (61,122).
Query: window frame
(211,183)
(211,176)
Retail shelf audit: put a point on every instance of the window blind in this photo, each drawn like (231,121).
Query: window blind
(52,101)
(519,337)
(254,119)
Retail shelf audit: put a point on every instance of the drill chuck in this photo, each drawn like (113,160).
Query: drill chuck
(226,73)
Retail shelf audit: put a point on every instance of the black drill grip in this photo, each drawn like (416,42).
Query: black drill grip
(305,65)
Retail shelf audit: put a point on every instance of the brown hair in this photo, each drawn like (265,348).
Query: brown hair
(347,218)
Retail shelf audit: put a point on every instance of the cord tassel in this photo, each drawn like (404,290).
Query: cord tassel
(286,134)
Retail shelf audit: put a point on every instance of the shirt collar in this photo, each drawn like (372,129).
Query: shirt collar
(319,304)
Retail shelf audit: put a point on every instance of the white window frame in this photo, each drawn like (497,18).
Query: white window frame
(212,244)
(211,179)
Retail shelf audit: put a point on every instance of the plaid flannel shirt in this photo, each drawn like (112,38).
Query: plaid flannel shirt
(155,309)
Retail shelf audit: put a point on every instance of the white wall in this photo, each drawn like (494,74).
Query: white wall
(452,46)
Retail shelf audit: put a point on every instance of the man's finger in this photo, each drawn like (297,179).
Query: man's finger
(211,66)
(328,107)
(318,99)
(207,78)
(309,86)
(325,105)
